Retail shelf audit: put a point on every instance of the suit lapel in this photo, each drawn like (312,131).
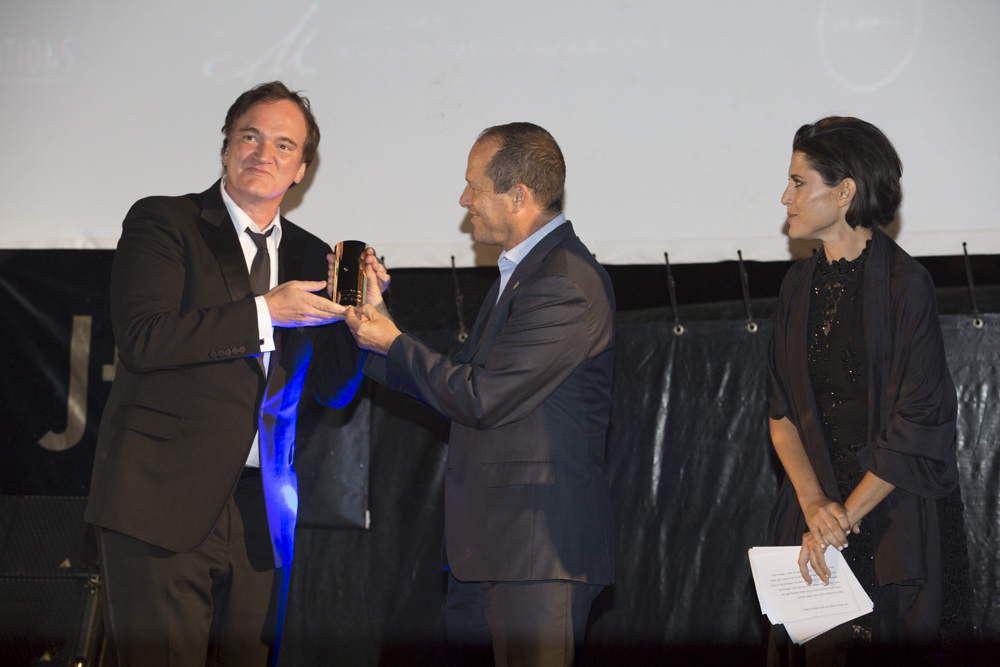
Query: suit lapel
(525,268)
(220,236)
(217,229)
(290,254)
(482,319)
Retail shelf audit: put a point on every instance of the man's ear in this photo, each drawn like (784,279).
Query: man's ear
(520,196)
(300,173)
(846,191)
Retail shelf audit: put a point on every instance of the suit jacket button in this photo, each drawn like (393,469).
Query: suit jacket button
(229,353)
(212,354)
(242,349)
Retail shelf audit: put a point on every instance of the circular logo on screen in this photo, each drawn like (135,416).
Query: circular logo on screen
(866,44)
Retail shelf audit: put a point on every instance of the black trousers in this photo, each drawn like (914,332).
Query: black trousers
(215,605)
(527,623)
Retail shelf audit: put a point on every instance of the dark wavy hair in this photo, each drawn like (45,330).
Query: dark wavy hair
(527,154)
(840,147)
(273,91)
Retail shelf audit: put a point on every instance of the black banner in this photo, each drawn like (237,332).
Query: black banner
(693,474)
(57,333)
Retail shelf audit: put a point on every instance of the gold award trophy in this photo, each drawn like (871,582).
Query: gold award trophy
(349,274)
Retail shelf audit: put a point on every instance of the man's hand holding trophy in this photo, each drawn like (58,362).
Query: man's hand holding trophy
(354,270)
(356,279)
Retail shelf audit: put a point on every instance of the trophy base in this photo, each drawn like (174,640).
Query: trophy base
(350,298)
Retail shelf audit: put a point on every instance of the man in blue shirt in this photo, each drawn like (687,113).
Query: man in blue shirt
(529,530)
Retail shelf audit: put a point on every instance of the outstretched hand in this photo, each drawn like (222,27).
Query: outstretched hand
(371,329)
(292,304)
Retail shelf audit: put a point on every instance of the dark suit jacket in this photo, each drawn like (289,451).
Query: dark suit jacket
(529,396)
(189,386)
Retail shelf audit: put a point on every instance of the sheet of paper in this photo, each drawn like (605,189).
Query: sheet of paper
(863,600)
(791,599)
(802,631)
(806,611)
(760,598)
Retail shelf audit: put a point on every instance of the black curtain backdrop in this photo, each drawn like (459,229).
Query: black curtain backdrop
(693,474)
(693,478)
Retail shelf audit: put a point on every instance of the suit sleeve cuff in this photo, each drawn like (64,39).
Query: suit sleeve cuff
(265,331)
(375,368)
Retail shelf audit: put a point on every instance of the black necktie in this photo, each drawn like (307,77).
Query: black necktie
(260,269)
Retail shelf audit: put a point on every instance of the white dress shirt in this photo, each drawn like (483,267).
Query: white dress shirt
(264,329)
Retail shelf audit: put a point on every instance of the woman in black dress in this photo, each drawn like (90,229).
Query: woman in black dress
(862,406)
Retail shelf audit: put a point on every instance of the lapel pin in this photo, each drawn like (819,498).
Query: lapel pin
(515,285)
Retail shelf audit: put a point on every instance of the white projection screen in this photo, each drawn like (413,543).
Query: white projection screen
(676,118)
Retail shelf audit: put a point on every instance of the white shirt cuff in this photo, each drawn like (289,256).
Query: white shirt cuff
(265,332)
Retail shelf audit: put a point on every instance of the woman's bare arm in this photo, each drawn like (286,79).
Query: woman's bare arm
(828,521)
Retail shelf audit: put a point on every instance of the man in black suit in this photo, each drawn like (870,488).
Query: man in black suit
(528,521)
(193,490)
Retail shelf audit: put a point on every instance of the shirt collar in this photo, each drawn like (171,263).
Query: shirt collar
(511,258)
(241,220)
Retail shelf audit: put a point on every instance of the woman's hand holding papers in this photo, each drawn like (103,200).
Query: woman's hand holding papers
(812,552)
(829,522)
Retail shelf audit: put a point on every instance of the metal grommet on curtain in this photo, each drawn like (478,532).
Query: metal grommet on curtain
(977,319)
(459,304)
(745,284)
(672,289)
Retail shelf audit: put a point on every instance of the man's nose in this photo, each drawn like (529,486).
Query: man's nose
(263,152)
(465,199)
